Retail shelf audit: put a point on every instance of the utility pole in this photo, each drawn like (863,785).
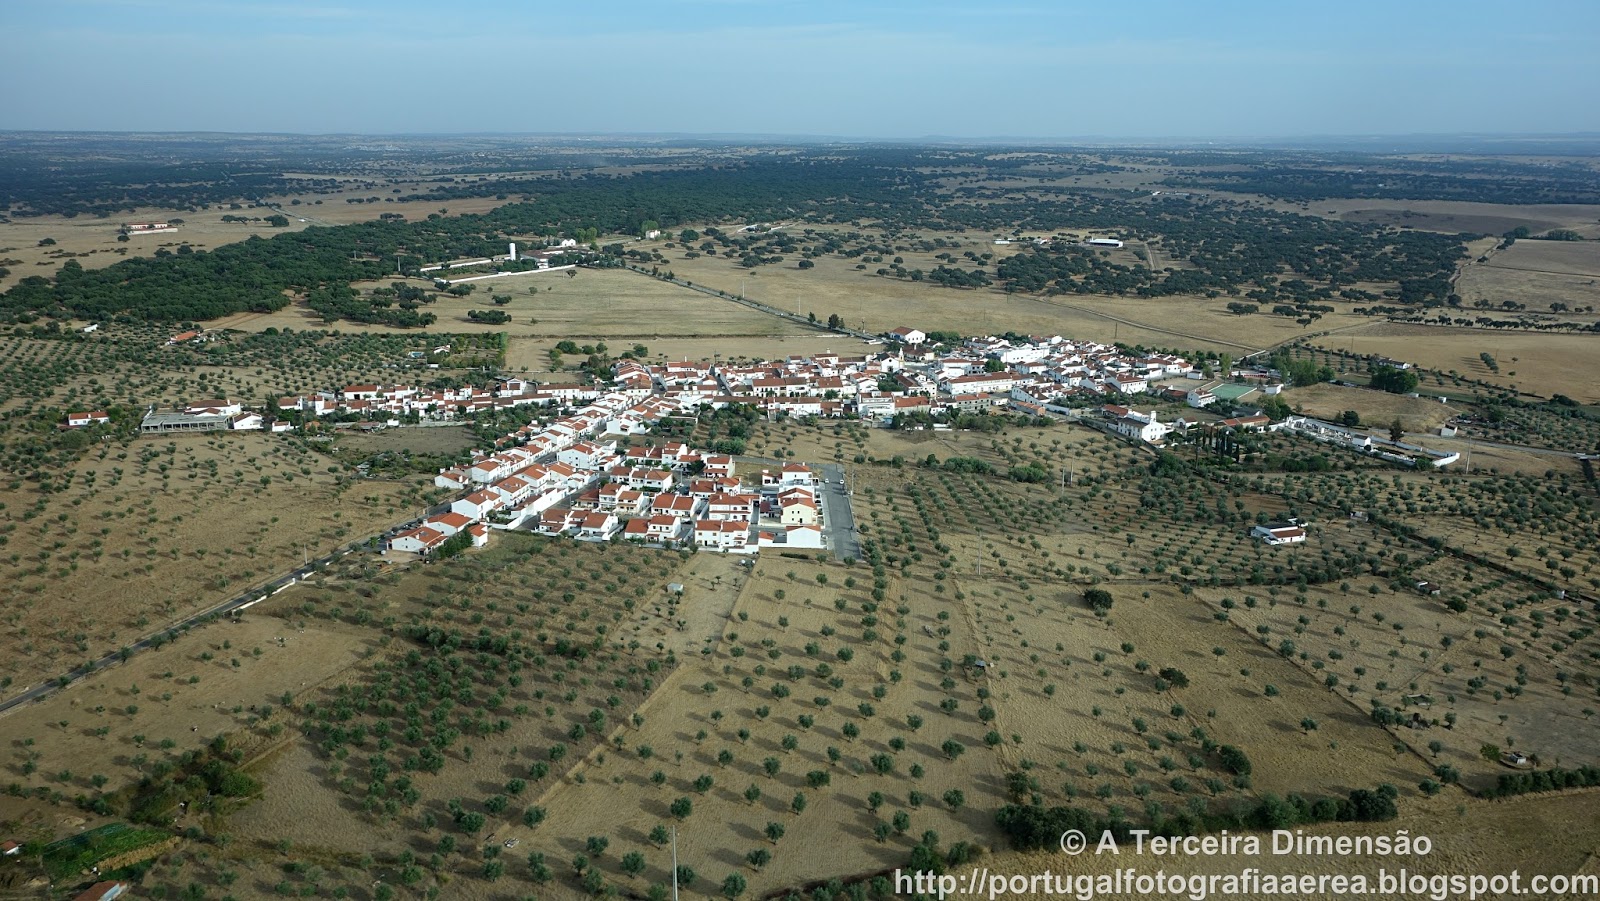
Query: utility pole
(674,863)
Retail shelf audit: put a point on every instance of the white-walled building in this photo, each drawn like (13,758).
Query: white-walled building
(1279,534)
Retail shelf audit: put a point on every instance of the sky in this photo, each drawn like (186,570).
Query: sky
(902,69)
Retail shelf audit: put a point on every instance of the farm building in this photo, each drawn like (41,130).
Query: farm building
(420,540)
(157,423)
(1279,533)
(93,417)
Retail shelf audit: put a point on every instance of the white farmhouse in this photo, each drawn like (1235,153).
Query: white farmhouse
(1279,534)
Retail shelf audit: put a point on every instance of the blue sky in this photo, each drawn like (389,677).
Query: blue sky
(1064,69)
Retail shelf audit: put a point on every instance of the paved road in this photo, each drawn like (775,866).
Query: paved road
(840,525)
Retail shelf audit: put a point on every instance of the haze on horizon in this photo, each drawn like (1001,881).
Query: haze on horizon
(873,69)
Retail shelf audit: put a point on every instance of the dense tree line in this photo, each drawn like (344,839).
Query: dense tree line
(333,303)
(1034,827)
(1394,381)
(1482,181)
(1233,249)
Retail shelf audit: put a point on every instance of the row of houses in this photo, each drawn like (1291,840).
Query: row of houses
(376,401)
(984,372)
(572,476)
(718,513)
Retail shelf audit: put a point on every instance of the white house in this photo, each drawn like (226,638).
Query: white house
(1141,427)
(798,511)
(718,535)
(598,526)
(733,507)
(790,476)
(476,505)
(214,408)
(512,386)
(1279,534)
(674,505)
(803,536)
(984,383)
(588,454)
(876,406)
(664,528)
(93,417)
(447,524)
(420,540)
(1126,383)
(908,335)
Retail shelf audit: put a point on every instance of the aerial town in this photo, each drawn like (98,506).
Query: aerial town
(575,472)
(478,457)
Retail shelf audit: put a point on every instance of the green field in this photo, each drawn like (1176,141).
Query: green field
(73,856)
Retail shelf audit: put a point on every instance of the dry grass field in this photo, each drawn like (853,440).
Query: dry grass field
(145,535)
(1377,408)
(1540,363)
(444,440)
(1452,216)
(1537,274)
(594,303)
(878,304)
(213,681)
(1558,257)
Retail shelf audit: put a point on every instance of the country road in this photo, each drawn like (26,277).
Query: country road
(769,310)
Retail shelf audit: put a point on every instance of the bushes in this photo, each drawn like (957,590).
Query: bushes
(967,464)
(1512,784)
(1031,473)
(1175,677)
(1031,826)
(1098,599)
(1233,760)
(1394,381)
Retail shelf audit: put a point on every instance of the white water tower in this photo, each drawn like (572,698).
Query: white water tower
(513,256)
